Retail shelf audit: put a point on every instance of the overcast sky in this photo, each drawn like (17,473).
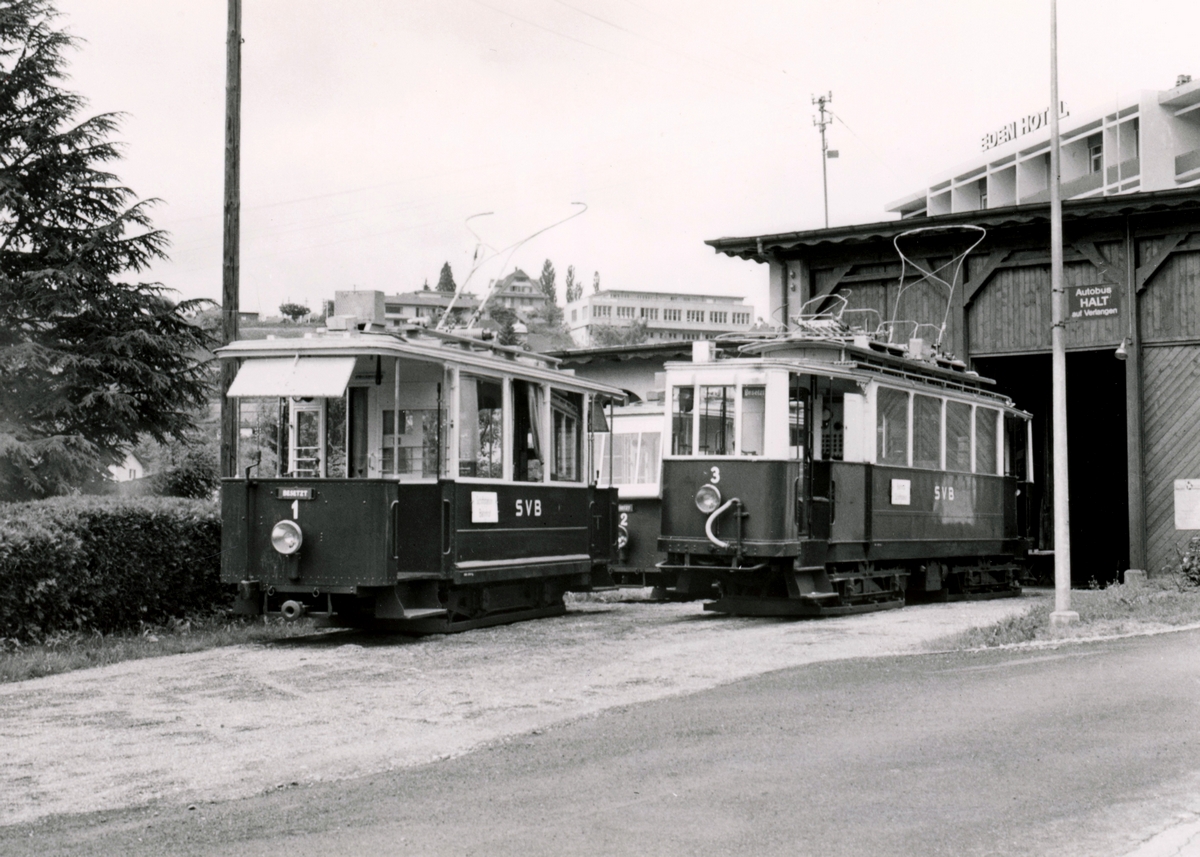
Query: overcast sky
(372,129)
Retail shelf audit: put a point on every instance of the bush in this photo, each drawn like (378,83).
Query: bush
(1189,563)
(100,564)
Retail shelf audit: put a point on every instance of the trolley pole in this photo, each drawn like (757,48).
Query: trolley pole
(229,268)
(1063,614)
(821,122)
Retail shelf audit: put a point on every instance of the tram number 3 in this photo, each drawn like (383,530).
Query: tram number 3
(529,508)
(943,492)
(716,475)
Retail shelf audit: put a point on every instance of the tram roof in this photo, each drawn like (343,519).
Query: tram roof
(460,351)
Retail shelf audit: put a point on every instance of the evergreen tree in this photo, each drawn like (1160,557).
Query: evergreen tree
(546,280)
(89,362)
(446,280)
(572,287)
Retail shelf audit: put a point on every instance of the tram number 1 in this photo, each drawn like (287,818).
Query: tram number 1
(529,508)
(943,492)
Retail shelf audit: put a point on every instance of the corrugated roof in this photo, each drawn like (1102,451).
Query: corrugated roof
(761,247)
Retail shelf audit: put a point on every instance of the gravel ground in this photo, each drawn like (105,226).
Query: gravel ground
(234,722)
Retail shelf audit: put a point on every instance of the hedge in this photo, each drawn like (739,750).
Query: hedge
(105,564)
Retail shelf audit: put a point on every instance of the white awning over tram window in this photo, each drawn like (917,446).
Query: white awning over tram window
(288,376)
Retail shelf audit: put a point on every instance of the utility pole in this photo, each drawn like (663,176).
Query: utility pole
(821,122)
(1063,614)
(229,268)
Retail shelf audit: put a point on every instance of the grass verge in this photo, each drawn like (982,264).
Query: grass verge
(1117,609)
(65,652)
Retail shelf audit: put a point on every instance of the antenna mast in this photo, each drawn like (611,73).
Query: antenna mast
(821,122)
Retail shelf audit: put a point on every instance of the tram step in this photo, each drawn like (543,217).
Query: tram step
(424,613)
(402,576)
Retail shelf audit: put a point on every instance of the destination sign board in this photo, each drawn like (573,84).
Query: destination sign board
(1093,302)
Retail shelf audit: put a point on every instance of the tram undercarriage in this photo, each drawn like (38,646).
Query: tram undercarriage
(427,606)
(779,589)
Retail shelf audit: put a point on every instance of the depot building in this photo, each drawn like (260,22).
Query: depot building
(1132,270)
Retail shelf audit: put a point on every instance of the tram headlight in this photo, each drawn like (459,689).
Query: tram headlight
(708,498)
(286,537)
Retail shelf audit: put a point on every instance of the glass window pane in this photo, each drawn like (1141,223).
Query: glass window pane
(1014,447)
(891,425)
(927,432)
(625,448)
(527,430)
(262,428)
(754,413)
(682,403)
(650,459)
(565,409)
(481,428)
(797,398)
(307,453)
(716,420)
(958,436)
(985,440)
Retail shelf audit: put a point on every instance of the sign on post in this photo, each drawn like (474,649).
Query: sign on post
(1093,302)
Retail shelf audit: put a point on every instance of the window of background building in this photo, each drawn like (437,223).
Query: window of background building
(650,313)
(1095,153)
(718,317)
(695,315)
(624,312)
(670,315)
(741,318)
(983,194)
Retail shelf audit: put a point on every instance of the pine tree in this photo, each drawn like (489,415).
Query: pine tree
(446,280)
(546,280)
(89,362)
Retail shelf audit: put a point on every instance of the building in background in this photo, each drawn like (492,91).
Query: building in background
(519,293)
(667,316)
(425,307)
(1150,142)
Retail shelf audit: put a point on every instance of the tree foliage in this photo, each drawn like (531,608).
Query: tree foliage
(573,287)
(610,334)
(596,282)
(88,361)
(293,311)
(546,281)
(445,280)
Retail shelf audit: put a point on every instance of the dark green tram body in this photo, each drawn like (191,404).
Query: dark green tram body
(401,544)
(866,479)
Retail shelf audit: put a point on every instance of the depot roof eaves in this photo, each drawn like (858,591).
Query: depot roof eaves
(760,248)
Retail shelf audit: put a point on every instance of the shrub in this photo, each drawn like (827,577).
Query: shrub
(1189,563)
(101,564)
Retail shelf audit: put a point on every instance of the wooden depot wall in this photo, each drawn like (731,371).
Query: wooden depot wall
(1000,305)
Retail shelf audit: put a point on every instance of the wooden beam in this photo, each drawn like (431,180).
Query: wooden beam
(834,281)
(1107,270)
(994,260)
(1147,270)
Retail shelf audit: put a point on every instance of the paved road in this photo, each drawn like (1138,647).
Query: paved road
(1089,749)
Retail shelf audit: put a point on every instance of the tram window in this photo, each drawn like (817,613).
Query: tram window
(716,420)
(754,412)
(527,431)
(306,431)
(985,440)
(797,397)
(891,427)
(682,407)
(833,428)
(262,428)
(649,458)
(958,436)
(624,458)
(1015,462)
(481,428)
(335,437)
(565,410)
(358,432)
(927,432)
(417,445)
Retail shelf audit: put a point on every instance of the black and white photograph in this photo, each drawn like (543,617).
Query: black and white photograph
(600,427)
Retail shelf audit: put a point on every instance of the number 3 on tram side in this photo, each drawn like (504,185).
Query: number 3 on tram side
(421,484)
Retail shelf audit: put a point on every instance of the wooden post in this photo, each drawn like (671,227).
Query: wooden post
(1133,411)
(229,269)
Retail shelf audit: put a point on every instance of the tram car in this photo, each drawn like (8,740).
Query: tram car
(411,481)
(629,458)
(824,472)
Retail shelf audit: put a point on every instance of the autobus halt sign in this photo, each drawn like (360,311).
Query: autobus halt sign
(1094,302)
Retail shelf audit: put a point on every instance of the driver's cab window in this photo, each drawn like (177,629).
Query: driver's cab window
(316,438)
